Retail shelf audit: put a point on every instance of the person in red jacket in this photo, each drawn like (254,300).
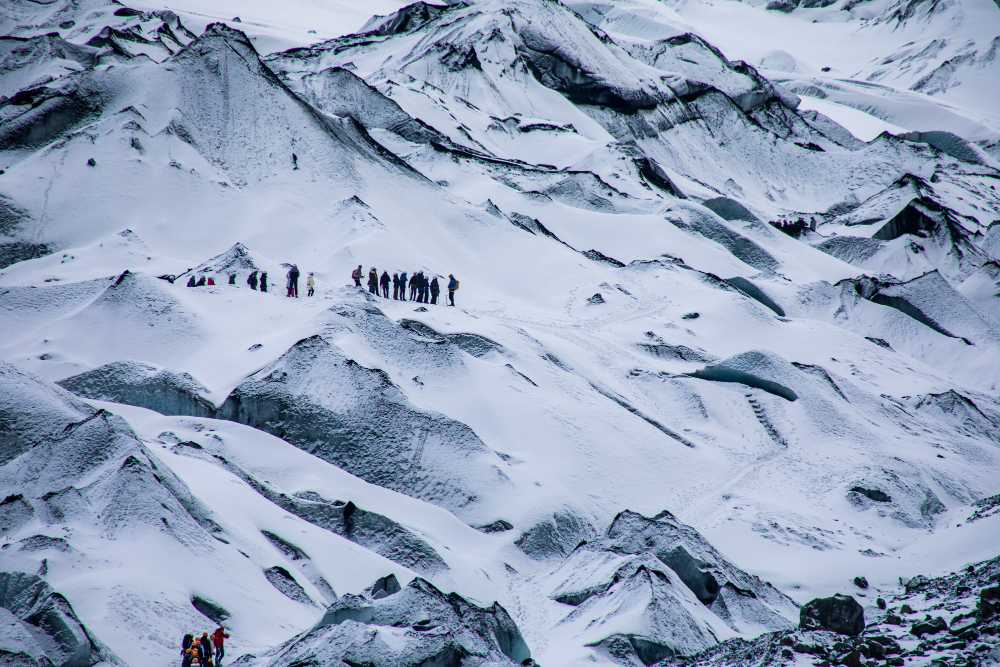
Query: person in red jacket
(218,637)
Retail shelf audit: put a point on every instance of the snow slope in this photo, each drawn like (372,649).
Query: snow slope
(655,420)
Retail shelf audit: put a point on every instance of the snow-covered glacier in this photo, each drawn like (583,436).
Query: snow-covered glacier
(726,337)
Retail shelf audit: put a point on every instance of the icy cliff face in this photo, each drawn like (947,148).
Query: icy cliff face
(719,348)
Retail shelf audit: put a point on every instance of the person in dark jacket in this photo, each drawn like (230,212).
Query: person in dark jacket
(263,281)
(252,280)
(435,290)
(402,286)
(232,278)
(413,286)
(427,289)
(186,657)
(201,282)
(206,647)
(218,640)
(293,281)
(452,286)
(373,281)
(191,282)
(385,284)
(199,652)
(420,287)
(357,274)
(395,287)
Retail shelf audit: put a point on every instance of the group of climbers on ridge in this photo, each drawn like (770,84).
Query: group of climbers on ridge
(291,281)
(204,651)
(422,290)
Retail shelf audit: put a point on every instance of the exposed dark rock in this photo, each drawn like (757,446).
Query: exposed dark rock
(596,299)
(840,613)
(861,583)
(930,627)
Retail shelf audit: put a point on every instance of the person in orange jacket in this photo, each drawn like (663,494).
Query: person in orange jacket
(218,639)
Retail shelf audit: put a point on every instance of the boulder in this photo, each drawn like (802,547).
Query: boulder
(840,613)
(930,627)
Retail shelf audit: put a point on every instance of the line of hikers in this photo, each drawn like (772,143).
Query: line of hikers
(291,281)
(422,290)
(205,650)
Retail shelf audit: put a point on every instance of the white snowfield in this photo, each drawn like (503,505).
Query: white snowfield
(727,332)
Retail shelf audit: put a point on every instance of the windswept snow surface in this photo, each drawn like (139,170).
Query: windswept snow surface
(652,423)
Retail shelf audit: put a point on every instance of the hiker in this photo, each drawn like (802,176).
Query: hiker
(427,288)
(435,290)
(186,656)
(232,278)
(420,286)
(201,282)
(263,281)
(211,280)
(373,281)
(395,287)
(218,637)
(310,284)
(385,284)
(191,282)
(206,645)
(413,286)
(402,286)
(356,274)
(252,280)
(293,281)
(452,286)
(196,652)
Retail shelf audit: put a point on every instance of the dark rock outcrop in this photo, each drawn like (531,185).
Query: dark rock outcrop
(840,613)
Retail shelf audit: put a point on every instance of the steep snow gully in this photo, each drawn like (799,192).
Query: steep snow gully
(655,429)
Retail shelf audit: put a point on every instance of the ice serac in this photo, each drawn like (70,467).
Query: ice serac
(71,462)
(416,625)
(356,418)
(144,385)
(39,627)
(760,369)
(690,595)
